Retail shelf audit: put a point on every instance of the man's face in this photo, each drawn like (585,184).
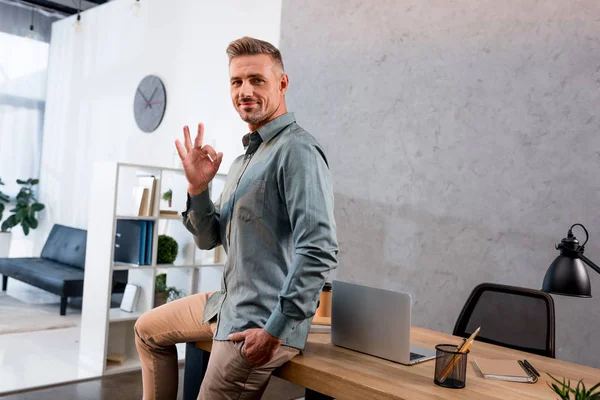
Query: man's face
(257,86)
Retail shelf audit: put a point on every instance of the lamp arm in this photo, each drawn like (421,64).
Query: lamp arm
(589,262)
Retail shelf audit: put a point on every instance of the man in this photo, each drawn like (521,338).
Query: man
(274,219)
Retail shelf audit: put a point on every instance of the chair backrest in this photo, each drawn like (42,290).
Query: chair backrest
(510,316)
(66,245)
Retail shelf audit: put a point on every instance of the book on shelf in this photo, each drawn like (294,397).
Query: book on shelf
(168,213)
(153,196)
(143,202)
(145,195)
(133,241)
(115,359)
(504,370)
(149,240)
(143,241)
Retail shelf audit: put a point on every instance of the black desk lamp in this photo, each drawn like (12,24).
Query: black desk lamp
(567,275)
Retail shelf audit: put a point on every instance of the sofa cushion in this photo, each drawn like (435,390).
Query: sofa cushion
(66,245)
(45,274)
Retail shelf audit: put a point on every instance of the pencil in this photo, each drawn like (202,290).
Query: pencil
(466,345)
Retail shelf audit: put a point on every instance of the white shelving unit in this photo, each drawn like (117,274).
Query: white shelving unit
(106,330)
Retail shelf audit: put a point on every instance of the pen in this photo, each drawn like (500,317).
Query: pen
(531,367)
(527,370)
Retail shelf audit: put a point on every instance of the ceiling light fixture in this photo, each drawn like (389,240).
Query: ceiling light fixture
(31,33)
(137,8)
(77,24)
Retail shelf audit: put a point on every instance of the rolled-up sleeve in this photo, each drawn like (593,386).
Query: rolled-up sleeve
(201,218)
(305,181)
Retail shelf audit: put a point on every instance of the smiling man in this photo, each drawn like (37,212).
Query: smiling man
(274,219)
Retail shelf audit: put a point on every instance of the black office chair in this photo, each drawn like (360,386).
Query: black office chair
(509,316)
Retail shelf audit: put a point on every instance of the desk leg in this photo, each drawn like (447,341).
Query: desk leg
(312,395)
(196,362)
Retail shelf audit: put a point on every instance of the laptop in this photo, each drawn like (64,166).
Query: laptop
(375,322)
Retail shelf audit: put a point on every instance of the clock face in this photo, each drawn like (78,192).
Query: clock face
(150,103)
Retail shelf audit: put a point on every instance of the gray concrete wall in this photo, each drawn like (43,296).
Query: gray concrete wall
(464,141)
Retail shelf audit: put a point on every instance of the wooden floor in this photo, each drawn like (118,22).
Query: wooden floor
(129,387)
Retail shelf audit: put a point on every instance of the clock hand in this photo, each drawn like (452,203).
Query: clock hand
(152,95)
(145,99)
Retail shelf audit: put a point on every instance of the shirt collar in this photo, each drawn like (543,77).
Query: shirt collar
(269,130)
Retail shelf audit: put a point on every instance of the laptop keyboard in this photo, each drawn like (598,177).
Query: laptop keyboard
(414,356)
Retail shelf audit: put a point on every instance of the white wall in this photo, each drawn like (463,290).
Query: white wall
(93,75)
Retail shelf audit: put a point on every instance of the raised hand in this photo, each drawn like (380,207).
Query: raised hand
(200,162)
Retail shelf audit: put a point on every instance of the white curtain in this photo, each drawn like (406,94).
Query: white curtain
(23,66)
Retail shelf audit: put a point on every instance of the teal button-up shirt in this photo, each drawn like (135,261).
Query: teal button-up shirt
(275,221)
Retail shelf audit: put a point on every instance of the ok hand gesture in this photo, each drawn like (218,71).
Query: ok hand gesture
(200,162)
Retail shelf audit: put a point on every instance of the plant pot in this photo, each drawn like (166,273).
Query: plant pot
(5,239)
(160,298)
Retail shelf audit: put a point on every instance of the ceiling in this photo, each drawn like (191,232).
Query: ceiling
(65,7)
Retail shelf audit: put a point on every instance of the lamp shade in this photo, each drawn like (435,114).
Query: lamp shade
(567,276)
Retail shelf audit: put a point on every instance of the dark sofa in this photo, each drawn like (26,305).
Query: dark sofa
(59,269)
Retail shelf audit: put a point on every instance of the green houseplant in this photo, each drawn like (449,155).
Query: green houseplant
(163,293)
(168,196)
(564,390)
(167,250)
(26,209)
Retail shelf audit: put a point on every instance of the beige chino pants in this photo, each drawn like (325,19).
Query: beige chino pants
(229,375)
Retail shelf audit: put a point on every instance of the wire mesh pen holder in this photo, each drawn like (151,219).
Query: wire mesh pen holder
(450,366)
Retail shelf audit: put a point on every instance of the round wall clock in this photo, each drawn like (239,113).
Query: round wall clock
(150,103)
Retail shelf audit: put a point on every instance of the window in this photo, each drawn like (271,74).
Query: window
(23,67)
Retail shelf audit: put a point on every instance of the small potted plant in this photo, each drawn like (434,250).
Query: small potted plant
(168,196)
(5,236)
(25,211)
(564,390)
(164,293)
(167,250)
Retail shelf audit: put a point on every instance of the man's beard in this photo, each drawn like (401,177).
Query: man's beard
(253,117)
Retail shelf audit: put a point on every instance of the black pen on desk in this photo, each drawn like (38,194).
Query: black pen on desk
(531,367)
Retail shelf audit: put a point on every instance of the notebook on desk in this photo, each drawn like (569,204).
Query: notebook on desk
(505,370)
(375,322)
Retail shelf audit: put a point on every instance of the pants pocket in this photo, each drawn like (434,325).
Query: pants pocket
(240,351)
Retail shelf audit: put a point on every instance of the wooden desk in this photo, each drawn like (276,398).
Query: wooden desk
(346,374)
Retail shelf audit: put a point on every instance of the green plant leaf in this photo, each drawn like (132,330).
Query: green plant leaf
(558,391)
(37,207)
(33,222)
(22,213)
(597,385)
(160,283)
(25,227)
(20,182)
(35,181)
(10,222)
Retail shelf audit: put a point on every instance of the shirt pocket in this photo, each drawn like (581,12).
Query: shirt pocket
(250,206)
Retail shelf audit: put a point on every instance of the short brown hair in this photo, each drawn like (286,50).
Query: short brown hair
(248,46)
